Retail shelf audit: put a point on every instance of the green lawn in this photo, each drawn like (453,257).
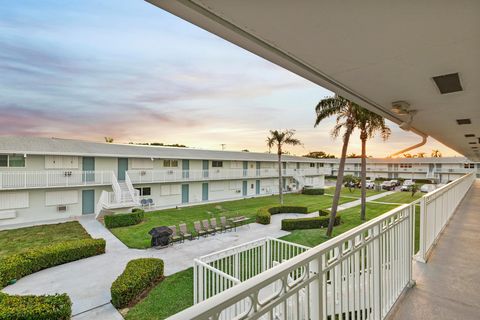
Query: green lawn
(355,192)
(137,236)
(400,197)
(170,296)
(350,219)
(17,240)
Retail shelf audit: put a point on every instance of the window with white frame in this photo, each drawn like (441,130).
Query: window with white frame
(145,191)
(13,200)
(138,163)
(12,161)
(217,164)
(312,165)
(469,165)
(61,162)
(170,189)
(170,163)
(55,198)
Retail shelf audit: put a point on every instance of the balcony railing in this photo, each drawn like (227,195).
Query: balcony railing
(53,178)
(150,176)
(357,275)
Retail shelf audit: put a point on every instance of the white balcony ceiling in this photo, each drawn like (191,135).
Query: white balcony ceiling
(374,52)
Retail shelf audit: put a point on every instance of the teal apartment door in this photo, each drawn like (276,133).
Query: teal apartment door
(185,191)
(88,166)
(205,191)
(205,164)
(257,187)
(88,201)
(245,168)
(122,168)
(257,167)
(244,188)
(185,169)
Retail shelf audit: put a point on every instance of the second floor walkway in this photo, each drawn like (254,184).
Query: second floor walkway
(448,286)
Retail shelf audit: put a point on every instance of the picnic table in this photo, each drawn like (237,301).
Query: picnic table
(238,221)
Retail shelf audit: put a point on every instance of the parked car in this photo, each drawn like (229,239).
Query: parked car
(407,184)
(396,182)
(427,188)
(370,184)
(388,185)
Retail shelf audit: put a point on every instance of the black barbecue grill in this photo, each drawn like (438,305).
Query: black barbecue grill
(160,236)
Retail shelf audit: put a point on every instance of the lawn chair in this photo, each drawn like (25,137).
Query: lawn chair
(184,231)
(206,226)
(199,230)
(224,224)
(175,236)
(213,224)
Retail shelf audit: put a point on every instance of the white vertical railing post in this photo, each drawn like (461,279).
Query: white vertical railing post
(377,272)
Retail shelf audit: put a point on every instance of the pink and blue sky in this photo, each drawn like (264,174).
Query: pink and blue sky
(128,70)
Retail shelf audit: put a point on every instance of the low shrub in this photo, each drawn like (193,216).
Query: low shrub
(124,219)
(30,307)
(313,191)
(288,209)
(264,214)
(24,263)
(138,276)
(323,213)
(308,223)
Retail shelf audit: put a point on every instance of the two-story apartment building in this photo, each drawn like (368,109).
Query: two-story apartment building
(48,178)
(441,169)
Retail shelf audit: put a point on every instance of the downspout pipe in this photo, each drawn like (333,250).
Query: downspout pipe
(424,140)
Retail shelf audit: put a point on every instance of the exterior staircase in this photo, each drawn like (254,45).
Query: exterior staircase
(300,178)
(124,196)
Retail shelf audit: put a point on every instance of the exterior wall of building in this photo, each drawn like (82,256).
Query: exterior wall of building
(39,210)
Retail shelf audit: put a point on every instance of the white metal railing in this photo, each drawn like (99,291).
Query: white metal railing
(356,275)
(134,193)
(102,203)
(53,178)
(216,272)
(149,176)
(436,209)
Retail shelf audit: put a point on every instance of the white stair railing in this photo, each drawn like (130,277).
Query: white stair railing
(134,193)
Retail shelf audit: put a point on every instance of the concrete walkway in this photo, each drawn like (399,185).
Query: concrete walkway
(448,286)
(355,203)
(88,281)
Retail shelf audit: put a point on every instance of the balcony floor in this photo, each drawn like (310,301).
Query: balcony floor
(448,286)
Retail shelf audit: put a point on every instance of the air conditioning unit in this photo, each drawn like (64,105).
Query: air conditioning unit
(237,191)
(67,173)
(170,172)
(61,208)
(142,173)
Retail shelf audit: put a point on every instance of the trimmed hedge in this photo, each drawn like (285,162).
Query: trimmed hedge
(30,307)
(264,214)
(313,191)
(21,264)
(323,213)
(138,276)
(308,223)
(124,219)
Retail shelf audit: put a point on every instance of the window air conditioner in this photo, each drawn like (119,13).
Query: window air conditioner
(142,173)
(61,208)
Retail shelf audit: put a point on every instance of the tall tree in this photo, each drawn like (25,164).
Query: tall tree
(421,155)
(345,112)
(436,153)
(108,139)
(279,139)
(369,124)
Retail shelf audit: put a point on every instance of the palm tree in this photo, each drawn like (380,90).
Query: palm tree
(421,155)
(436,153)
(345,111)
(368,124)
(279,139)
(407,155)
(108,139)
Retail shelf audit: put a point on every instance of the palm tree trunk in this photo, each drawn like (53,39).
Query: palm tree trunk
(338,187)
(363,197)
(280,187)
